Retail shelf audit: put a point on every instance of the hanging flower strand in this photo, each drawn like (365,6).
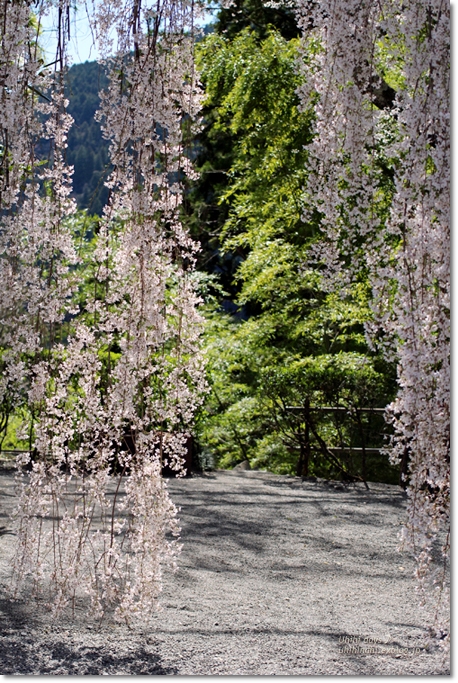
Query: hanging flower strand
(380,179)
(116,397)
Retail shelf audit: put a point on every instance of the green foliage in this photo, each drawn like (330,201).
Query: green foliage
(253,141)
(255,377)
(10,441)
(292,343)
(257,16)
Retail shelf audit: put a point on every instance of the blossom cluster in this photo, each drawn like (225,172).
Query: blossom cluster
(380,179)
(111,396)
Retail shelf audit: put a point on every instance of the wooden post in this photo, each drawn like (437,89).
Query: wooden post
(303,464)
(307,438)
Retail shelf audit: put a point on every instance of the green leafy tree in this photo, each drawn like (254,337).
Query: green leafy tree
(290,341)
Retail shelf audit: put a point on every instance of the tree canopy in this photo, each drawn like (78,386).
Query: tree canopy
(286,320)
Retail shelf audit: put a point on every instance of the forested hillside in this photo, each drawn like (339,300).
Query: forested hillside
(87,149)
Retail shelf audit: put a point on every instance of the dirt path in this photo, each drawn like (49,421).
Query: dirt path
(277,576)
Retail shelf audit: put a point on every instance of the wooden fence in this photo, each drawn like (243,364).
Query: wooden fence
(310,441)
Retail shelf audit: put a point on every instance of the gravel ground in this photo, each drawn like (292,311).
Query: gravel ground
(277,576)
